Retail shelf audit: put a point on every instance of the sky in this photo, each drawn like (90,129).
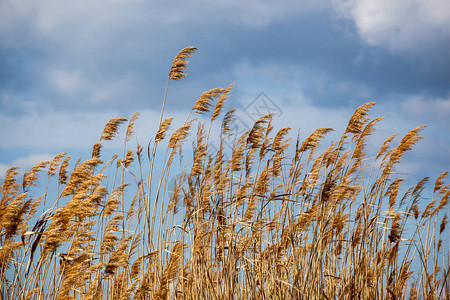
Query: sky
(67,67)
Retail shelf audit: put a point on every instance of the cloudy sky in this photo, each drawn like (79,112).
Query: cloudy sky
(67,67)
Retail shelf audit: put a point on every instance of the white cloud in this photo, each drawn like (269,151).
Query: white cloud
(436,111)
(399,25)
(75,81)
(66,81)
(25,163)
(294,83)
(58,131)
(78,24)
(51,131)
(84,24)
(85,27)
(250,13)
(112,89)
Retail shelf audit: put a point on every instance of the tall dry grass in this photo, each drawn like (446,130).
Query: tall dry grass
(248,223)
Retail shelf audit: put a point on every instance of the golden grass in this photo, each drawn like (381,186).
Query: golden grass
(332,224)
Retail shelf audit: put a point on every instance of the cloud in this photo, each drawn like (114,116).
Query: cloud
(50,18)
(81,56)
(66,81)
(299,84)
(249,13)
(25,163)
(54,20)
(56,130)
(73,82)
(435,110)
(399,25)
(59,131)
(82,25)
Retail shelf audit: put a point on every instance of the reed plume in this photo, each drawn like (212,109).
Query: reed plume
(220,102)
(203,104)
(111,128)
(162,129)
(179,65)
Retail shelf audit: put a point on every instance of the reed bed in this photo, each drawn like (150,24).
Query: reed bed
(271,218)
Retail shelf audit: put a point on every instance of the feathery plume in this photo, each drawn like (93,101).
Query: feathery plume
(392,191)
(442,203)
(63,170)
(129,158)
(199,151)
(30,177)
(415,210)
(204,103)
(96,150)
(118,258)
(179,135)
(358,153)
(312,141)
(229,117)
(110,238)
(440,181)
(162,129)
(179,65)
(82,172)
(112,202)
(395,233)
(170,271)
(139,153)
(428,209)
(111,128)
(385,145)
(174,198)
(250,209)
(278,140)
(54,164)
(220,102)
(257,133)
(443,224)
(263,181)
(130,128)
(409,140)
(265,147)
(359,118)
(10,175)
(238,153)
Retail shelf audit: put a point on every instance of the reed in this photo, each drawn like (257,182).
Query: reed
(262,220)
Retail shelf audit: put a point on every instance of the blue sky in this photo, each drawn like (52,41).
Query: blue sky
(67,67)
